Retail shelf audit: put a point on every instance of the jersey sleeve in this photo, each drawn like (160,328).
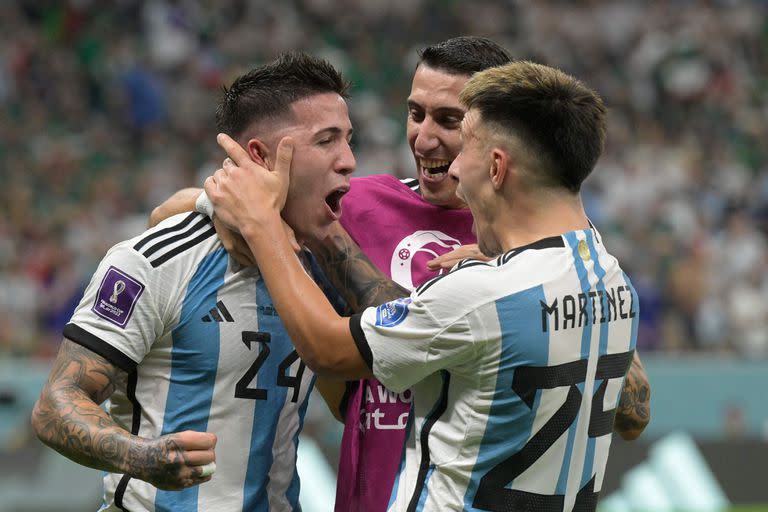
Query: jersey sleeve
(405,340)
(120,315)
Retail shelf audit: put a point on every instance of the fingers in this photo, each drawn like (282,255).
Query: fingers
(185,459)
(448,260)
(233,149)
(198,452)
(211,187)
(199,457)
(192,440)
(444,261)
(284,157)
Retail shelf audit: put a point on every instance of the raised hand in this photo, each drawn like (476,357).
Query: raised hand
(175,461)
(243,191)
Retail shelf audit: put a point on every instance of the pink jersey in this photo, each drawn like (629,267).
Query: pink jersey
(399,231)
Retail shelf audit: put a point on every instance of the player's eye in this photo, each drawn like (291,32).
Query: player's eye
(451,122)
(416,115)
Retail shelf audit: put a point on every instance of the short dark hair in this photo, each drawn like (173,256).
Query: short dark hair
(558,119)
(268,91)
(464,55)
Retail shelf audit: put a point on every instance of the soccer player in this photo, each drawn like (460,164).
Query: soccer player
(516,364)
(401,225)
(186,344)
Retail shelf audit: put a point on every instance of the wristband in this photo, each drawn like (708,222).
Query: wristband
(203,204)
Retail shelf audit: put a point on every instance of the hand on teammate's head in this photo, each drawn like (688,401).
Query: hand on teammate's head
(243,191)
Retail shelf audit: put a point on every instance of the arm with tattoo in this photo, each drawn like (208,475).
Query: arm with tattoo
(67,417)
(633,413)
(353,275)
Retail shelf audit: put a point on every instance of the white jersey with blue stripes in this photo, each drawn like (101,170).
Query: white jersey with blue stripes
(204,350)
(516,367)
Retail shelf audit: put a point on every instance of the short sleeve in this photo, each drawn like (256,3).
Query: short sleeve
(408,339)
(119,316)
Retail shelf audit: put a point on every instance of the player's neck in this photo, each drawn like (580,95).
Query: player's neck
(528,221)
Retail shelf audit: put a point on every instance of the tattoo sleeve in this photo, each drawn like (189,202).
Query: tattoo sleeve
(67,416)
(633,413)
(353,275)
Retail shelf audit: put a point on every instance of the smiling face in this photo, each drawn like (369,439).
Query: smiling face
(321,166)
(434,117)
(470,173)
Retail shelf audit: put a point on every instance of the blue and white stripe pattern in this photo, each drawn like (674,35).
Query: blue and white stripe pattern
(206,351)
(516,367)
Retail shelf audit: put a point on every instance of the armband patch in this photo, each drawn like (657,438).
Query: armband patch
(118,295)
(392,313)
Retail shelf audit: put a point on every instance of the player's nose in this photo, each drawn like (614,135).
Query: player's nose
(426,138)
(345,163)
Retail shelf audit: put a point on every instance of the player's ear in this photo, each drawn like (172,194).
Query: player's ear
(258,151)
(499,167)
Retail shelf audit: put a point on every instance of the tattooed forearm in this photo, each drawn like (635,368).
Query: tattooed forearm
(353,275)
(633,412)
(67,416)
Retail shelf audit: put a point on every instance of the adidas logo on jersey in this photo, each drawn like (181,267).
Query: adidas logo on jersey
(220,313)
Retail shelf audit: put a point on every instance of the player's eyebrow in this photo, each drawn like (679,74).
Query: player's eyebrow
(445,111)
(333,130)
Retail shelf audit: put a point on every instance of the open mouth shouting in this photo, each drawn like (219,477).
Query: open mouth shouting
(434,170)
(333,201)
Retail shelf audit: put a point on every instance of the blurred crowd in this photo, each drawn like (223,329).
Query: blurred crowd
(108,108)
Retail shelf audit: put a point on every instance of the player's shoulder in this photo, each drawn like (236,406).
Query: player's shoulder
(180,238)
(464,275)
(506,273)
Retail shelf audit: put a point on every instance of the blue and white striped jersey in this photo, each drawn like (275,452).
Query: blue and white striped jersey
(516,367)
(204,350)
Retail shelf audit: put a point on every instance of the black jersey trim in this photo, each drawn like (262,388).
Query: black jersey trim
(594,231)
(130,392)
(411,183)
(160,232)
(120,492)
(545,243)
(425,285)
(429,422)
(176,238)
(472,263)
(359,336)
(183,247)
(82,337)
(467,263)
